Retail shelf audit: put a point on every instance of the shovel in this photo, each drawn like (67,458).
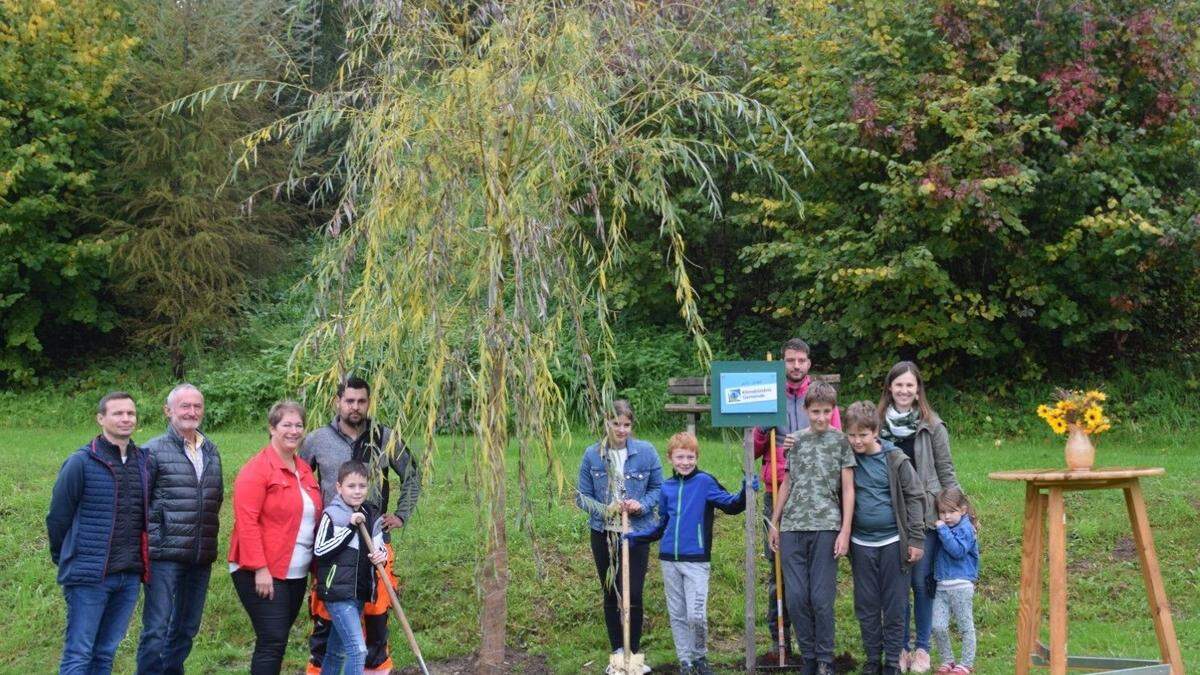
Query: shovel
(781,639)
(391,590)
(626,662)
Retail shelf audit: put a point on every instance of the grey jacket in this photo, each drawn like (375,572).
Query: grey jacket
(325,450)
(935,467)
(908,503)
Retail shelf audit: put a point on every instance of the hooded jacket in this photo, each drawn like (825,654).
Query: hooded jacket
(344,571)
(686,505)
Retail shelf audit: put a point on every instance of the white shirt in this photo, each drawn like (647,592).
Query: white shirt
(302,553)
(192,450)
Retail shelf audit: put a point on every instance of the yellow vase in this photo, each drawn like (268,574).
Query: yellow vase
(1080,453)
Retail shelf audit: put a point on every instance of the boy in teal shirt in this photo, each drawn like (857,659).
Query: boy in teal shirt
(887,536)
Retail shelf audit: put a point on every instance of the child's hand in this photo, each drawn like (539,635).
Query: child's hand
(915,553)
(631,506)
(379,557)
(939,523)
(841,546)
(751,482)
(357,518)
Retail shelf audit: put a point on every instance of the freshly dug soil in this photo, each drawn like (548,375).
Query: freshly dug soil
(516,662)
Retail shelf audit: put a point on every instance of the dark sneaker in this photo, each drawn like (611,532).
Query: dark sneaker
(686,668)
(701,667)
(824,668)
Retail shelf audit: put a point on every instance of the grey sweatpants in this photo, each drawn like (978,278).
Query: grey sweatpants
(957,602)
(810,581)
(880,589)
(686,584)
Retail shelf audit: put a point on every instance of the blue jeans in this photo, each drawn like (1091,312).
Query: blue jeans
(97,618)
(920,607)
(346,642)
(171,615)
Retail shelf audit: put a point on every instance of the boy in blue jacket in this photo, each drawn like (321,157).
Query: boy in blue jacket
(685,508)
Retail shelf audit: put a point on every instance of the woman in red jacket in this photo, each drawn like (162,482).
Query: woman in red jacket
(276,503)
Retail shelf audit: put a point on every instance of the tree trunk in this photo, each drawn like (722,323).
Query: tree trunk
(178,363)
(493,582)
(493,617)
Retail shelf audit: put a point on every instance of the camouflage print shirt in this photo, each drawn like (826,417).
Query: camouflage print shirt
(814,465)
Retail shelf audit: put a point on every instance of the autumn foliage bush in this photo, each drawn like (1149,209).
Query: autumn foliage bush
(994,183)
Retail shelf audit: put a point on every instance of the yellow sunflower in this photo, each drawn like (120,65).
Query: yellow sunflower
(1093,416)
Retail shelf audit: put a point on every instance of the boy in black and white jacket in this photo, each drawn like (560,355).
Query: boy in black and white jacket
(345,568)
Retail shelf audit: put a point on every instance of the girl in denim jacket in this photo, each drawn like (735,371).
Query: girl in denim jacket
(956,570)
(620,473)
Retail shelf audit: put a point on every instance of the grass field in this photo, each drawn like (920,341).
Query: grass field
(554,594)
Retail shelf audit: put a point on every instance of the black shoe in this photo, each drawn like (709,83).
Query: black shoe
(872,668)
(824,668)
(700,667)
(808,667)
(686,668)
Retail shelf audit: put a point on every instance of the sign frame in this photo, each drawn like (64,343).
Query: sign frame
(725,418)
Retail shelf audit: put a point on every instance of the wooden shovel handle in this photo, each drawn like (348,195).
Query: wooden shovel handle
(395,599)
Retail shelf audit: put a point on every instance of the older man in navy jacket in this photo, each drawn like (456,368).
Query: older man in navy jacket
(97,532)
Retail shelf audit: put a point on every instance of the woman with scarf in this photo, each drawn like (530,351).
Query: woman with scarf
(907,420)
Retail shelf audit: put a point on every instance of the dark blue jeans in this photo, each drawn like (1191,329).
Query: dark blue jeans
(97,618)
(171,616)
(347,646)
(920,608)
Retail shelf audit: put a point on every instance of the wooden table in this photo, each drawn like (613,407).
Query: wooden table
(1044,490)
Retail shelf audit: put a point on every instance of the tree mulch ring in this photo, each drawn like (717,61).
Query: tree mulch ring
(514,662)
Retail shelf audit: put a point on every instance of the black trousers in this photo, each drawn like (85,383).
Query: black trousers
(272,618)
(880,592)
(810,584)
(606,551)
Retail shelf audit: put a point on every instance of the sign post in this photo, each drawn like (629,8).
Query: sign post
(748,394)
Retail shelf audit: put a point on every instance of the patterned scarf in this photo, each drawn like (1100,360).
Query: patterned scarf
(900,425)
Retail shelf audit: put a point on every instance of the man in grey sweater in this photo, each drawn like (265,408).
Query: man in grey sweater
(353,435)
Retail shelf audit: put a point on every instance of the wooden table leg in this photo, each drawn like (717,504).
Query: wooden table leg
(1029,610)
(1160,610)
(1056,526)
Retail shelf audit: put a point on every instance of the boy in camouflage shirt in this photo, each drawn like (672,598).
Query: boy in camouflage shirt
(811,526)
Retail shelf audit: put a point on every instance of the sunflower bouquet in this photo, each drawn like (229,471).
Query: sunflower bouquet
(1076,408)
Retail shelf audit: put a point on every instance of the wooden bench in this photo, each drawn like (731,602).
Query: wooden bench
(695,387)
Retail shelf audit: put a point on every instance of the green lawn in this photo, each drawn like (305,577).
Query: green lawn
(554,596)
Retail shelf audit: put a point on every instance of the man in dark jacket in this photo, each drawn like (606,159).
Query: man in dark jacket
(186,490)
(97,532)
(354,435)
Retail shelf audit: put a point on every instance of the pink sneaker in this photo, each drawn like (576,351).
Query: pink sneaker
(905,660)
(960,669)
(919,662)
(945,669)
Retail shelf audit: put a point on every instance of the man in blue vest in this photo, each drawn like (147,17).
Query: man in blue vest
(97,532)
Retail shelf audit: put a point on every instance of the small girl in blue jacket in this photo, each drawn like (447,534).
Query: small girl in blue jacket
(956,568)
(686,506)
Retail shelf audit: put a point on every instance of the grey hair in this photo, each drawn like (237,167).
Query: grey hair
(179,388)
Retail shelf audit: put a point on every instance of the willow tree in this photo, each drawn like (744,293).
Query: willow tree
(489,158)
